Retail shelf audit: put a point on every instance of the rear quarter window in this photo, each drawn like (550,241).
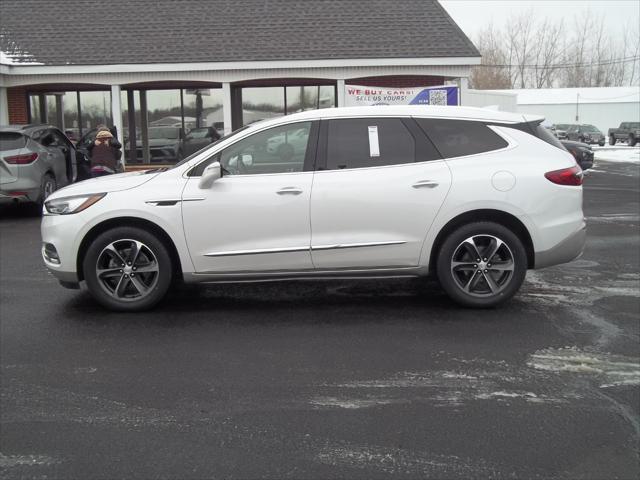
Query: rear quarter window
(546,136)
(458,138)
(12,141)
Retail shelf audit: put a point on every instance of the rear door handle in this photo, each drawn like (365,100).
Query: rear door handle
(289,191)
(425,184)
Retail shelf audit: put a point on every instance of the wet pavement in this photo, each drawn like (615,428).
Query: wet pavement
(330,380)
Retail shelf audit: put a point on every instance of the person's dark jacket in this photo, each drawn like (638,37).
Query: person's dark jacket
(106,154)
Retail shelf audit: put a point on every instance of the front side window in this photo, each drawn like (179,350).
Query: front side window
(276,150)
(368,142)
(458,138)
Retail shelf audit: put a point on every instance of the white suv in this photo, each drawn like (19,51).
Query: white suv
(474,196)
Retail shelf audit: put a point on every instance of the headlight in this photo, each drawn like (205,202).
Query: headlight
(69,205)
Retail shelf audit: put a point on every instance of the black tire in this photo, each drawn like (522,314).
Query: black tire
(47,187)
(152,253)
(508,281)
(632,140)
(612,140)
(601,143)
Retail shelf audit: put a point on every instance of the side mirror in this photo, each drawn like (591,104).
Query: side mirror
(212,173)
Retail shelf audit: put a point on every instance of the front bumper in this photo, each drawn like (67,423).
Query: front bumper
(61,232)
(567,250)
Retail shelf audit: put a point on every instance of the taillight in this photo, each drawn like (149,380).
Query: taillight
(566,176)
(22,159)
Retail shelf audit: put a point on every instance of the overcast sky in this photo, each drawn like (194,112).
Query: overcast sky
(474,15)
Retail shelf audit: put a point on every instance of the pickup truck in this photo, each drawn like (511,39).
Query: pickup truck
(629,131)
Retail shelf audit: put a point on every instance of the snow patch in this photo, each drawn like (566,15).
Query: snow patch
(8,461)
(611,370)
(618,154)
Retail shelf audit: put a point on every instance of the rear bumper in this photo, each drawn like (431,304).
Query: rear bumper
(565,251)
(20,195)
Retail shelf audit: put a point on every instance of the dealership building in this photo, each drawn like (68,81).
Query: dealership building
(192,64)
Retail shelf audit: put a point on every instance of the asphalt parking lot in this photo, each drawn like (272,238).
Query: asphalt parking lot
(330,380)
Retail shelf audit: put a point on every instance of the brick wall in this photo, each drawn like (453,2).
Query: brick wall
(398,81)
(17,106)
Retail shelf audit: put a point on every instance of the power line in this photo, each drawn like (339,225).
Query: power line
(561,65)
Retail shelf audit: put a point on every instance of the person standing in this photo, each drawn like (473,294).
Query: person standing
(104,154)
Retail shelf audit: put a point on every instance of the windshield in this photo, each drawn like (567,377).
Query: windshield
(589,128)
(164,132)
(562,126)
(195,154)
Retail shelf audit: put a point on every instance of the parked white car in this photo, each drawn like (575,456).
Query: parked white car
(474,196)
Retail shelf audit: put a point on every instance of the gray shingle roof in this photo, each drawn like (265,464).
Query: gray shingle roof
(89,32)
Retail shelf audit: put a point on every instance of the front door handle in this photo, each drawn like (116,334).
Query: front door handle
(425,184)
(289,190)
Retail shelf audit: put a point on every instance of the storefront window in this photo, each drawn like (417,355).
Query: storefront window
(34,109)
(300,99)
(95,109)
(260,103)
(203,108)
(71,117)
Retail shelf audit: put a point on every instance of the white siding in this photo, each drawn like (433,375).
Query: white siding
(505,102)
(603,115)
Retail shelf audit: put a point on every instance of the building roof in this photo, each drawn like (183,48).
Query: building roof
(83,32)
(557,96)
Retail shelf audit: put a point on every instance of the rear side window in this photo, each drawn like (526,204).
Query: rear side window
(11,141)
(368,142)
(457,138)
(546,136)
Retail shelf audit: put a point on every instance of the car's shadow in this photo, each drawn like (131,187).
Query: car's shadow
(315,302)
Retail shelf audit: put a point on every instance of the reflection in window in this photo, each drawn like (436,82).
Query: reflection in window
(276,150)
(95,108)
(71,118)
(34,109)
(260,103)
(51,110)
(164,109)
(303,98)
(203,108)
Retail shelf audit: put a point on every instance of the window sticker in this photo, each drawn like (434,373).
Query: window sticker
(374,145)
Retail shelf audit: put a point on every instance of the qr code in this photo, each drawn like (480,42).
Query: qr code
(437,97)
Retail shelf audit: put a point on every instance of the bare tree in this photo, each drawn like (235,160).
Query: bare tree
(533,53)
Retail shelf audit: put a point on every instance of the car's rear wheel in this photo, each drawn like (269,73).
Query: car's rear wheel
(47,187)
(612,140)
(127,269)
(481,264)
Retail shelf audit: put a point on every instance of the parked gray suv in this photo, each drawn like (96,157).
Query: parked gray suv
(34,161)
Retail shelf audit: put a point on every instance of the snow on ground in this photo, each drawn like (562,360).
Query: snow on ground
(622,153)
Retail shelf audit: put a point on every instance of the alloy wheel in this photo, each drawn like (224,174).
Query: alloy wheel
(127,270)
(482,265)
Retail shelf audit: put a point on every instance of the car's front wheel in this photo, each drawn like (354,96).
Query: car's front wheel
(481,264)
(127,269)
